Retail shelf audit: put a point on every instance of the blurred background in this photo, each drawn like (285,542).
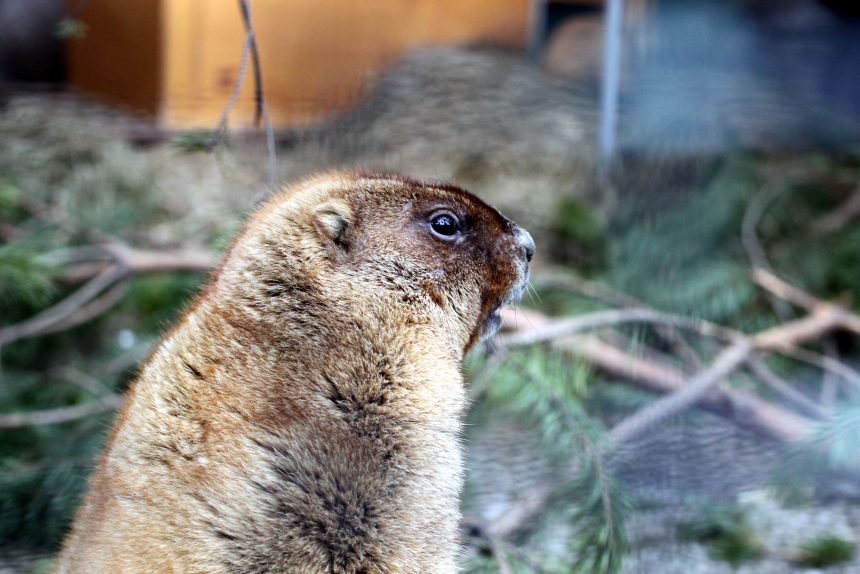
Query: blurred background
(679,391)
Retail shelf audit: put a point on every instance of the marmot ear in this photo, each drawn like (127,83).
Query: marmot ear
(332,219)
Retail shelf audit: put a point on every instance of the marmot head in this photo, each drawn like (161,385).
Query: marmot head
(412,249)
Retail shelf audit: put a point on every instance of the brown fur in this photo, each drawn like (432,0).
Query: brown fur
(304,414)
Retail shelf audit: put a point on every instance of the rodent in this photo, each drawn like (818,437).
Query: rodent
(304,414)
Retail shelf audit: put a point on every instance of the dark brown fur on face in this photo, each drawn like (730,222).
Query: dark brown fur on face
(304,414)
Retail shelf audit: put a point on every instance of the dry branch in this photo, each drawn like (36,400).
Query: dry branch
(52,316)
(843,317)
(106,276)
(60,415)
(609,296)
(682,391)
(141,261)
(770,282)
(785,389)
(745,409)
(753,247)
(690,393)
(551,330)
(839,217)
(250,54)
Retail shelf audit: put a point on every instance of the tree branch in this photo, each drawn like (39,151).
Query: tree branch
(563,327)
(752,245)
(135,260)
(843,317)
(60,415)
(784,389)
(250,53)
(62,311)
(691,392)
(839,217)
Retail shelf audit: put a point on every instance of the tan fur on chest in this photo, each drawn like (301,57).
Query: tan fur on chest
(304,414)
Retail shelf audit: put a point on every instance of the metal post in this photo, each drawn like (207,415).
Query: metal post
(537,28)
(612,24)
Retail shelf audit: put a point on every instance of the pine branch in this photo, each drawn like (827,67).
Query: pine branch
(547,394)
(700,389)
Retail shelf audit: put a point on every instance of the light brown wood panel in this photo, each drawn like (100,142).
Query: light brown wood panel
(317,55)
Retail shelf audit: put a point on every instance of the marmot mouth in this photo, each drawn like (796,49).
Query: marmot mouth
(493,321)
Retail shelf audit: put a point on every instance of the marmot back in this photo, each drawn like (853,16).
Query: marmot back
(304,415)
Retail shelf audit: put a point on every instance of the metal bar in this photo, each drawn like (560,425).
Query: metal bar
(612,24)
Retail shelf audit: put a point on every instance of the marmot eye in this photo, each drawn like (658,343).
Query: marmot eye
(445,225)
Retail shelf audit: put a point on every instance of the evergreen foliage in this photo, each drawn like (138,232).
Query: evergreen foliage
(43,469)
(689,259)
(833,446)
(24,281)
(547,392)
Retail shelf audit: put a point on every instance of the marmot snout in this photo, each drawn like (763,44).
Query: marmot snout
(304,415)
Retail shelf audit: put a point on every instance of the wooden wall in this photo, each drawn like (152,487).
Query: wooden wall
(178,59)
(120,55)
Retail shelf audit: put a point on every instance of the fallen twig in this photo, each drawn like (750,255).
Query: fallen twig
(52,316)
(844,317)
(690,393)
(564,327)
(62,414)
(784,389)
(135,260)
(839,217)
(604,294)
(107,275)
(769,281)
(752,245)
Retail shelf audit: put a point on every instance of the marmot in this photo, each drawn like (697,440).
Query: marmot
(304,415)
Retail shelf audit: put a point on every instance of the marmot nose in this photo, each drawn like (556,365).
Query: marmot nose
(525,242)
